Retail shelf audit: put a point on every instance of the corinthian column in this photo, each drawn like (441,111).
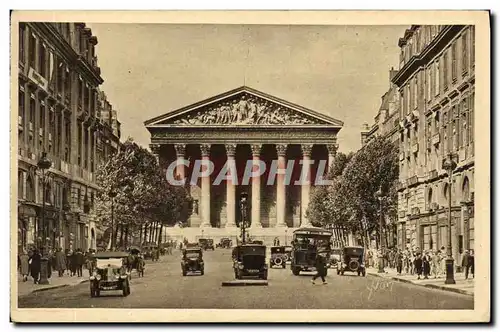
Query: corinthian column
(332,151)
(205,188)
(230,189)
(180,150)
(256,186)
(280,186)
(305,184)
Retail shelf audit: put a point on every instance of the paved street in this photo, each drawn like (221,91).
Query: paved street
(164,287)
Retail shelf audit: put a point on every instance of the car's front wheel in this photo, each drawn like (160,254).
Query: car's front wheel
(296,271)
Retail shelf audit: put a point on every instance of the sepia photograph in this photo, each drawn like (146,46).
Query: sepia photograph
(250,166)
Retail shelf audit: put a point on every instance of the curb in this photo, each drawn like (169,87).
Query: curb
(235,283)
(56,287)
(432,286)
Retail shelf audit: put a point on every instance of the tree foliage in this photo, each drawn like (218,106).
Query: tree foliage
(351,200)
(143,195)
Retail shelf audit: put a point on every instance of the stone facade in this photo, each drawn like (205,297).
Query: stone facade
(61,112)
(436,85)
(245,126)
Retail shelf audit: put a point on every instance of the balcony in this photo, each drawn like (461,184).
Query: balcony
(413,180)
(434,206)
(414,148)
(435,139)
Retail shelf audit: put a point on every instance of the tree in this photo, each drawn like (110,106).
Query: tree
(143,197)
(350,201)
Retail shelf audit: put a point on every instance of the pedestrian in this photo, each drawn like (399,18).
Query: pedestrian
(471,263)
(24,264)
(399,261)
(36,266)
(426,262)
(60,262)
(79,261)
(320,269)
(69,255)
(435,264)
(418,265)
(466,263)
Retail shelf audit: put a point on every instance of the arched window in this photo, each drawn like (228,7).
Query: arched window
(429,198)
(466,190)
(446,191)
(30,189)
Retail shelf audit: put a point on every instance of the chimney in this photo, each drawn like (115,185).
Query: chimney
(392,73)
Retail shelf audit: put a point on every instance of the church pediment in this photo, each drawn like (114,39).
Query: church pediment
(241,107)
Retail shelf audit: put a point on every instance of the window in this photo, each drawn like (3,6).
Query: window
(465,130)
(22,37)
(32,51)
(417,41)
(415,92)
(60,77)
(21,108)
(436,78)
(52,128)
(79,128)
(32,110)
(86,98)
(79,197)
(445,71)
(80,92)
(471,117)
(454,68)
(473,45)
(58,142)
(67,83)
(42,60)
(42,118)
(86,148)
(465,54)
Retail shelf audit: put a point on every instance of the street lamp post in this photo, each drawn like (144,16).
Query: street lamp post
(44,164)
(112,195)
(381,246)
(243,208)
(449,165)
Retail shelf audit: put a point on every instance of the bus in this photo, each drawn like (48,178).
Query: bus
(306,243)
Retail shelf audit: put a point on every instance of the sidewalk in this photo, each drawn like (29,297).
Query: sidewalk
(462,285)
(27,287)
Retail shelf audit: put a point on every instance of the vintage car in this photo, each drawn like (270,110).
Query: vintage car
(352,260)
(278,257)
(307,243)
(288,253)
(335,256)
(225,243)
(192,261)
(110,273)
(206,244)
(249,260)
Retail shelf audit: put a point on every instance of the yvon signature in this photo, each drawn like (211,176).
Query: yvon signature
(379,285)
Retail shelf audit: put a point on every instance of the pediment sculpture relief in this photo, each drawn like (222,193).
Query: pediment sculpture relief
(246,110)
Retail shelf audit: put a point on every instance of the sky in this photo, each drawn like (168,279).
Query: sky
(153,69)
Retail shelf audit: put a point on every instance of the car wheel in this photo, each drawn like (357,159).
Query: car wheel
(295,271)
(264,276)
(202,271)
(184,273)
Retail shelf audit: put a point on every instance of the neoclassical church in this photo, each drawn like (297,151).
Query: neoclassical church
(245,126)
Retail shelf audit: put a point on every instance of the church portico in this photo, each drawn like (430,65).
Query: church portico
(245,141)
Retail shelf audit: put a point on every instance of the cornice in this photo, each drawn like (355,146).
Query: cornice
(433,48)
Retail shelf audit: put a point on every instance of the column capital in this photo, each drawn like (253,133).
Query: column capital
(306,149)
(230,149)
(180,150)
(281,149)
(155,148)
(332,148)
(256,149)
(205,150)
